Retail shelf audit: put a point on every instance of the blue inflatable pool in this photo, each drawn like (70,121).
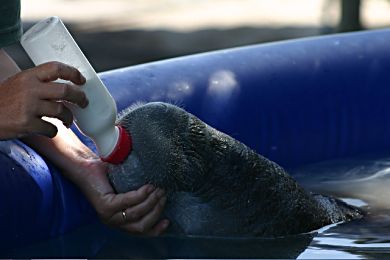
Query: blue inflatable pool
(296,102)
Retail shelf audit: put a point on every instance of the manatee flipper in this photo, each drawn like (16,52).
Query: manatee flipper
(216,186)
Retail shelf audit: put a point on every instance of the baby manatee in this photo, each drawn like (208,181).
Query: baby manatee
(216,185)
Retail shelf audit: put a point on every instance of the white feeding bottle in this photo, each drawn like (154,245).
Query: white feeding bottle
(49,40)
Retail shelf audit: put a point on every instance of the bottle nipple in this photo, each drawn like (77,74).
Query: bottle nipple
(122,148)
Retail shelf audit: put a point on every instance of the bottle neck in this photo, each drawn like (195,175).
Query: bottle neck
(122,148)
(106,141)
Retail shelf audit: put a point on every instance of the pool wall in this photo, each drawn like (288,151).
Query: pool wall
(295,102)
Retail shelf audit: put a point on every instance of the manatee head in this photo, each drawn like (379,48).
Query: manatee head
(162,149)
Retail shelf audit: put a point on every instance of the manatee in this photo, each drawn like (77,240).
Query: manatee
(216,186)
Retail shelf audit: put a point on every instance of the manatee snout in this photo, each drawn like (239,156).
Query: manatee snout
(216,185)
(160,137)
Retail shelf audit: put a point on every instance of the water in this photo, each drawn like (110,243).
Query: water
(362,182)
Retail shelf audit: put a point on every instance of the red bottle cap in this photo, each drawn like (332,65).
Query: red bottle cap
(122,149)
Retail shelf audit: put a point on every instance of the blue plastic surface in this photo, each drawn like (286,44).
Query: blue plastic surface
(295,102)
(36,202)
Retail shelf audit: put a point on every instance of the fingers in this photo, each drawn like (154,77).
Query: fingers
(43,127)
(138,210)
(62,91)
(57,110)
(31,94)
(140,214)
(145,224)
(51,71)
(55,70)
(159,228)
(131,198)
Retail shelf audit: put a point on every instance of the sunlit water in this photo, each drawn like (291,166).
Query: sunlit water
(363,182)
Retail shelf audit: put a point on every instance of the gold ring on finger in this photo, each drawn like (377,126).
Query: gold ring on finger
(124,216)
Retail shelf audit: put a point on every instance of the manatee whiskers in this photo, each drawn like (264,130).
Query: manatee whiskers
(216,186)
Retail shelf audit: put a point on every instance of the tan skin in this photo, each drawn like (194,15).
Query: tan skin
(32,108)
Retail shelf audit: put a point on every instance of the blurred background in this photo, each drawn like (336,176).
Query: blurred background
(118,33)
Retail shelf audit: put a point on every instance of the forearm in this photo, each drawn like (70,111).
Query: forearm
(65,151)
(7,66)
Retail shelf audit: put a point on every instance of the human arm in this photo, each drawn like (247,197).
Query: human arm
(79,164)
(28,96)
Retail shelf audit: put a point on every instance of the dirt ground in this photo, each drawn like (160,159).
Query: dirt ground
(120,33)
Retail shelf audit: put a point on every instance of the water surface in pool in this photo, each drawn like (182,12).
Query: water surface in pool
(362,182)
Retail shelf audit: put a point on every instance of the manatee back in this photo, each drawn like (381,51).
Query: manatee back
(216,185)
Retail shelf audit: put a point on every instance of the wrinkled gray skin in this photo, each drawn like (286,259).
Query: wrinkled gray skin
(216,186)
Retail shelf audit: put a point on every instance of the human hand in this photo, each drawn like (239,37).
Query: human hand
(31,94)
(142,207)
